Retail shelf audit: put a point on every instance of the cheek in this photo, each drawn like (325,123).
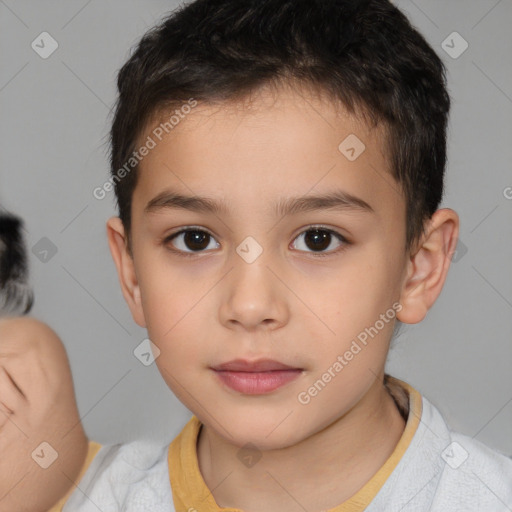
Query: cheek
(165,296)
(350,306)
(350,293)
(173,312)
(182,355)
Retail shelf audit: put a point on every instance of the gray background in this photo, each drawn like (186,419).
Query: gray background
(54,123)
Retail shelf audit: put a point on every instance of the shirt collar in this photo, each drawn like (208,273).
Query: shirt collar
(191,492)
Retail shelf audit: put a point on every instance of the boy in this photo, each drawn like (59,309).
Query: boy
(245,134)
(37,402)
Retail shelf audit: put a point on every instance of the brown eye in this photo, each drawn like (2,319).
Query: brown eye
(320,239)
(190,240)
(317,240)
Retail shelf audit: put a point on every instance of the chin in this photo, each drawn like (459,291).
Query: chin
(266,432)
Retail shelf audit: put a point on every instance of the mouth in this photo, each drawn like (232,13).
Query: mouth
(256,377)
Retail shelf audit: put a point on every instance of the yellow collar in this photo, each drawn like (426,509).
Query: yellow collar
(190,491)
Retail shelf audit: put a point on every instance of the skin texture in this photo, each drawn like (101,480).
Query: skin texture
(37,404)
(289,304)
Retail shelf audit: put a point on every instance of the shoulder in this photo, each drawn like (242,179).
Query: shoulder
(476,472)
(471,476)
(444,471)
(133,474)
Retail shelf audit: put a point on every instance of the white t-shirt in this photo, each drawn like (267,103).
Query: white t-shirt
(436,470)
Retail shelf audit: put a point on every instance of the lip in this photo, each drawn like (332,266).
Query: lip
(259,365)
(256,377)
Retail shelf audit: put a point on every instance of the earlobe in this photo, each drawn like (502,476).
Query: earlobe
(125,269)
(427,268)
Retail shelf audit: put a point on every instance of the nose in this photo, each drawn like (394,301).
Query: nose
(254,298)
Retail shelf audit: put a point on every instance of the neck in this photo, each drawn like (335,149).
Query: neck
(320,472)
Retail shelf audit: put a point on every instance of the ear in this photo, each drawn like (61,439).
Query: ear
(125,269)
(428,266)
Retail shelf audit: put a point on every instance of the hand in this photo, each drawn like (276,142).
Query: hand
(37,404)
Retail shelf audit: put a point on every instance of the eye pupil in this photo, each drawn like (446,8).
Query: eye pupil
(315,236)
(196,239)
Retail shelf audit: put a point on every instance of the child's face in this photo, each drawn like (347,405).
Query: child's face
(206,302)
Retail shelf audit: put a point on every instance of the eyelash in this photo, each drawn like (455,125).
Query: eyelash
(186,254)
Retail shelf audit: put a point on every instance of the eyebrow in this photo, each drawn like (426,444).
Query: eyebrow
(335,200)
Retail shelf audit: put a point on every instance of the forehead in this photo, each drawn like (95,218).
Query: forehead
(270,144)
